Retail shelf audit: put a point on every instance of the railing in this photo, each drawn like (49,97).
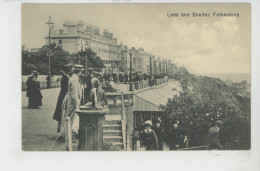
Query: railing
(193,148)
(138,85)
(66,128)
(55,81)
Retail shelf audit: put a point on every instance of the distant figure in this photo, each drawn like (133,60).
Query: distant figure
(88,88)
(33,91)
(150,140)
(93,79)
(106,76)
(176,138)
(159,133)
(64,82)
(213,137)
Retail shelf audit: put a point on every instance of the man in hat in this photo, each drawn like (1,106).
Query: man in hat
(213,137)
(176,137)
(73,98)
(160,135)
(150,140)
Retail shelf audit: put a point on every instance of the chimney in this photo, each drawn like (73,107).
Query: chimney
(81,25)
(105,33)
(71,27)
(65,23)
(110,36)
(89,28)
(96,30)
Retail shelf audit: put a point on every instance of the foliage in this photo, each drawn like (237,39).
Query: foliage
(199,108)
(40,60)
(94,61)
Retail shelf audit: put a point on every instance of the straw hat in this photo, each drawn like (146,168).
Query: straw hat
(148,123)
(78,67)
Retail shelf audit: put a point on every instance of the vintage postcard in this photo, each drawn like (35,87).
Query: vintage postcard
(136,77)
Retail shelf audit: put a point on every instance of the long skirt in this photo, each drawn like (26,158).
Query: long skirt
(58,111)
(35,100)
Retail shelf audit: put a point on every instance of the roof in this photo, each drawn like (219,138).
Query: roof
(153,98)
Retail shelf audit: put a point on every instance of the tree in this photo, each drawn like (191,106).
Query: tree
(94,61)
(197,110)
(40,60)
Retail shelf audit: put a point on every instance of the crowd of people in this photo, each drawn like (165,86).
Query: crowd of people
(77,89)
(124,77)
(153,137)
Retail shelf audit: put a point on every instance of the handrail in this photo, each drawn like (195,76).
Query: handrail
(123,119)
(145,83)
(191,148)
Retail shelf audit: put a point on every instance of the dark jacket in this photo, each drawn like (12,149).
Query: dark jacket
(63,91)
(150,140)
(176,137)
(160,135)
(33,92)
(213,138)
(29,84)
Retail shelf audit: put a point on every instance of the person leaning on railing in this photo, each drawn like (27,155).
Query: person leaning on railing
(213,137)
(176,137)
(98,93)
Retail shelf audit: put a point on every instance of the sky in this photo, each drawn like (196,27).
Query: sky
(201,44)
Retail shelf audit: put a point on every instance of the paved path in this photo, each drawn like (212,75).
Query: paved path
(38,127)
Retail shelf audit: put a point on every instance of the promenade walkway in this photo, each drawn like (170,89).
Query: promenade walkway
(38,127)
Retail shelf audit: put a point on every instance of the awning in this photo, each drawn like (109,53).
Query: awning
(105,58)
(151,99)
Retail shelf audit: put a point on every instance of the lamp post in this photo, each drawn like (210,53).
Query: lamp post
(151,71)
(50,25)
(166,67)
(131,74)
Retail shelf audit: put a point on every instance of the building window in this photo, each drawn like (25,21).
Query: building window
(60,41)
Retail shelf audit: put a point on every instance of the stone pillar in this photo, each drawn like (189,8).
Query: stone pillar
(91,128)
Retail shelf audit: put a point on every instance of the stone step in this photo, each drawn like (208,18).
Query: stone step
(112,133)
(118,146)
(113,122)
(113,138)
(111,127)
(112,117)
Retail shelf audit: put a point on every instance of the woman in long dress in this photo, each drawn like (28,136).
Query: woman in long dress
(34,91)
(63,91)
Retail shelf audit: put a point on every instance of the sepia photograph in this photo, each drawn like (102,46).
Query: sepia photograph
(136,77)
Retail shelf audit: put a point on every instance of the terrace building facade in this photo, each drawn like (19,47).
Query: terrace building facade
(78,36)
